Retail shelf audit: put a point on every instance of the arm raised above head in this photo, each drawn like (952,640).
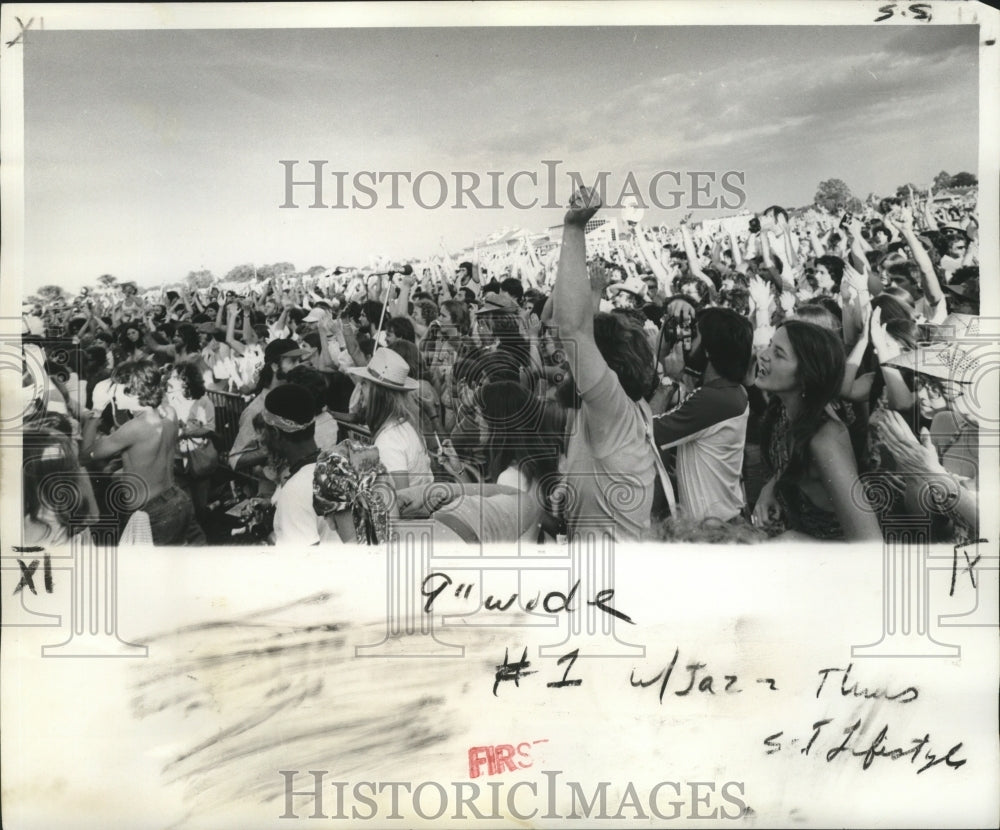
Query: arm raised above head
(573,311)
(571,296)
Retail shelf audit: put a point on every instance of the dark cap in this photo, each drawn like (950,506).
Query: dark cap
(289,407)
(282,347)
(499,303)
(969,289)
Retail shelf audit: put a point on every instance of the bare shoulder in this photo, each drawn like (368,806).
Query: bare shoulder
(831,441)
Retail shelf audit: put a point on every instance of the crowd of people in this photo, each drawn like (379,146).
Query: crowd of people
(805,378)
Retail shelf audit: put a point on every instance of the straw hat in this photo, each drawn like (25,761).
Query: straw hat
(956,362)
(633,285)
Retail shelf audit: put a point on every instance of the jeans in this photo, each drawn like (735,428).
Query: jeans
(172,519)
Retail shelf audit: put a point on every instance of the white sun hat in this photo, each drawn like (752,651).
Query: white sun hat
(388,369)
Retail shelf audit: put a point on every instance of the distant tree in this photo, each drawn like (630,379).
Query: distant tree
(903,191)
(281,269)
(942,180)
(316,270)
(963,179)
(200,279)
(241,273)
(265,272)
(834,195)
(107,280)
(51,293)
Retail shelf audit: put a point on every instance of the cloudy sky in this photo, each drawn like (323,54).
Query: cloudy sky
(153,153)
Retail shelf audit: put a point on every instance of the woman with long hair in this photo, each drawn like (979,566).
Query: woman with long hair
(425,396)
(58,498)
(388,411)
(130,342)
(522,475)
(812,489)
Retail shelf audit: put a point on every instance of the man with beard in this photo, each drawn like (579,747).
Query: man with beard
(280,357)
(709,428)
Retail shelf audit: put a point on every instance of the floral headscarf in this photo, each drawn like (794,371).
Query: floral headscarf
(345,477)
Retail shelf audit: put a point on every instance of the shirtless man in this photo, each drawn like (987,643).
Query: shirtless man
(147,445)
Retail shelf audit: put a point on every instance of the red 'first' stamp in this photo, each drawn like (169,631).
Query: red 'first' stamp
(500,758)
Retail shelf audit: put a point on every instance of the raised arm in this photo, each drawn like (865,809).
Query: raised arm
(886,347)
(694,260)
(818,246)
(652,260)
(231,341)
(854,388)
(734,246)
(791,255)
(929,278)
(929,210)
(573,312)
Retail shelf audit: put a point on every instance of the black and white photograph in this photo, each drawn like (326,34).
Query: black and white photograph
(624,363)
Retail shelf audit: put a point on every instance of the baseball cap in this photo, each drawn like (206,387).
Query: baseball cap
(953,229)
(969,289)
(282,347)
(317,313)
(498,302)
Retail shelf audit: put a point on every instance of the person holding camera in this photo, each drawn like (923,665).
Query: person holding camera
(709,428)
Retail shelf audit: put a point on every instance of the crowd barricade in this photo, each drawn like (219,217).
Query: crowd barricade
(228,408)
(349,429)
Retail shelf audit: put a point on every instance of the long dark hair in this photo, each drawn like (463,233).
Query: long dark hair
(411,354)
(460,317)
(192,379)
(625,349)
(514,419)
(51,477)
(821,359)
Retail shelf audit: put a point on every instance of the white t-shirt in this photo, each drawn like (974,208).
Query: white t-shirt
(401,450)
(295,521)
(326,431)
(527,508)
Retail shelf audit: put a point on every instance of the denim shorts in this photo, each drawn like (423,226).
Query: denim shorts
(172,519)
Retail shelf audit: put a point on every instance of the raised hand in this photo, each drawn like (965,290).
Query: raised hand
(600,278)
(448,457)
(760,294)
(912,455)
(582,207)
(885,346)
